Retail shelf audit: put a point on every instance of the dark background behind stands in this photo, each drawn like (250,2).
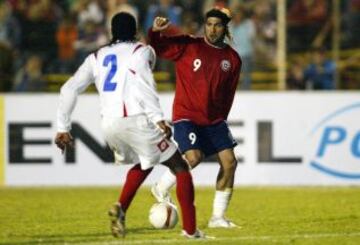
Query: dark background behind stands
(42,42)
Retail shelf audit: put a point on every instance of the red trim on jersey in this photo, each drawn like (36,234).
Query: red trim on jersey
(124,110)
(137,47)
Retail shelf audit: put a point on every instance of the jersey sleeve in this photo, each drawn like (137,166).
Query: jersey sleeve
(233,84)
(147,96)
(167,47)
(78,83)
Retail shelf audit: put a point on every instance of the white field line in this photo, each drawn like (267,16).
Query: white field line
(230,239)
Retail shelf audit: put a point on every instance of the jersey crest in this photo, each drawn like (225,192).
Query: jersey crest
(225,65)
(163,145)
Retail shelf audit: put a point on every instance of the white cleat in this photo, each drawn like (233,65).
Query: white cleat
(221,223)
(197,235)
(159,196)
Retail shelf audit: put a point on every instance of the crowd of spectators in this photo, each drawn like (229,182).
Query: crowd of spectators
(309,31)
(40,37)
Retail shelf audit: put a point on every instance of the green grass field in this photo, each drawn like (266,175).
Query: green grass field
(267,216)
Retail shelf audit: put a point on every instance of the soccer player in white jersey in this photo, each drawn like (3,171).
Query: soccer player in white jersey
(132,121)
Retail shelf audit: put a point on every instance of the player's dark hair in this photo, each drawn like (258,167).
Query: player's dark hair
(223,14)
(123,28)
(228,34)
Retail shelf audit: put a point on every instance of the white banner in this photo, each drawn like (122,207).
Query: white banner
(291,138)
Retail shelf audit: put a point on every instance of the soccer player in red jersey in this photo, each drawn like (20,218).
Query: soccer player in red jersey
(207,73)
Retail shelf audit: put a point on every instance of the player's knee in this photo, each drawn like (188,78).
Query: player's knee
(193,158)
(176,163)
(229,166)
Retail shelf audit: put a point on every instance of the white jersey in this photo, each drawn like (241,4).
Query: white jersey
(123,77)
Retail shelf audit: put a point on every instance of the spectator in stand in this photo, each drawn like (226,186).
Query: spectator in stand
(30,77)
(352,23)
(9,27)
(39,29)
(193,8)
(305,18)
(90,38)
(9,44)
(88,10)
(320,73)
(66,37)
(117,6)
(209,4)
(46,10)
(190,25)
(165,8)
(307,12)
(295,77)
(243,32)
(265,41)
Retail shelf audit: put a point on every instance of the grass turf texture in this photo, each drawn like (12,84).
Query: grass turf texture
(314,215)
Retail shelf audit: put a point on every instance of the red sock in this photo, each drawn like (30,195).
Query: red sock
(135,177)
(185,195)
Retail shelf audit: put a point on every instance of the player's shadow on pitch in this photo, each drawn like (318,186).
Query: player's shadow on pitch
(78,238)
(59,238)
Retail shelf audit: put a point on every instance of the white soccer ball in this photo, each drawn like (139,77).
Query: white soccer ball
(163,215)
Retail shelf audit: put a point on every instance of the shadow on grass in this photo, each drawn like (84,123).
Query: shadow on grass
(72,238)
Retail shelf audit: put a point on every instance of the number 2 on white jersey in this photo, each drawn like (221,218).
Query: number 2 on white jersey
(197,64)
(112,61)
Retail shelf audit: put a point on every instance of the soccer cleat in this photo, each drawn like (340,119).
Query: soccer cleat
(221,223)
(159,196)
(117,220)
(197,235)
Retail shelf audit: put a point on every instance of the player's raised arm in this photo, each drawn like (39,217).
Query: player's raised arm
(167,47)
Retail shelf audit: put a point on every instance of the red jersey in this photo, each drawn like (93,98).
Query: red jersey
(206,77)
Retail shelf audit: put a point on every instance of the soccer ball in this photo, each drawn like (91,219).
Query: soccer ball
(163,215)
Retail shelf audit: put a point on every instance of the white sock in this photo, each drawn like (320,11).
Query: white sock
(167,180)
(221,202)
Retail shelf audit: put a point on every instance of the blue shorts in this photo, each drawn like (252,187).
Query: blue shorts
(209,139)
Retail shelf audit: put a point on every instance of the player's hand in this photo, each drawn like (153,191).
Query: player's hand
(165,129)
(160,24)
(64,140)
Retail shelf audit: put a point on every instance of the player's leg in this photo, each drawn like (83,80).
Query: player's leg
(219,139)
(119,137)
(161,188)
(185,194)
(135,177)
(186,135)
(224,188)
(228,164)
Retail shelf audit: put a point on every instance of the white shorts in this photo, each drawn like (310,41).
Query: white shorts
(136,139)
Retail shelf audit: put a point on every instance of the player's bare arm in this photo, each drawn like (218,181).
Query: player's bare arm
(160,24)
(165,128)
